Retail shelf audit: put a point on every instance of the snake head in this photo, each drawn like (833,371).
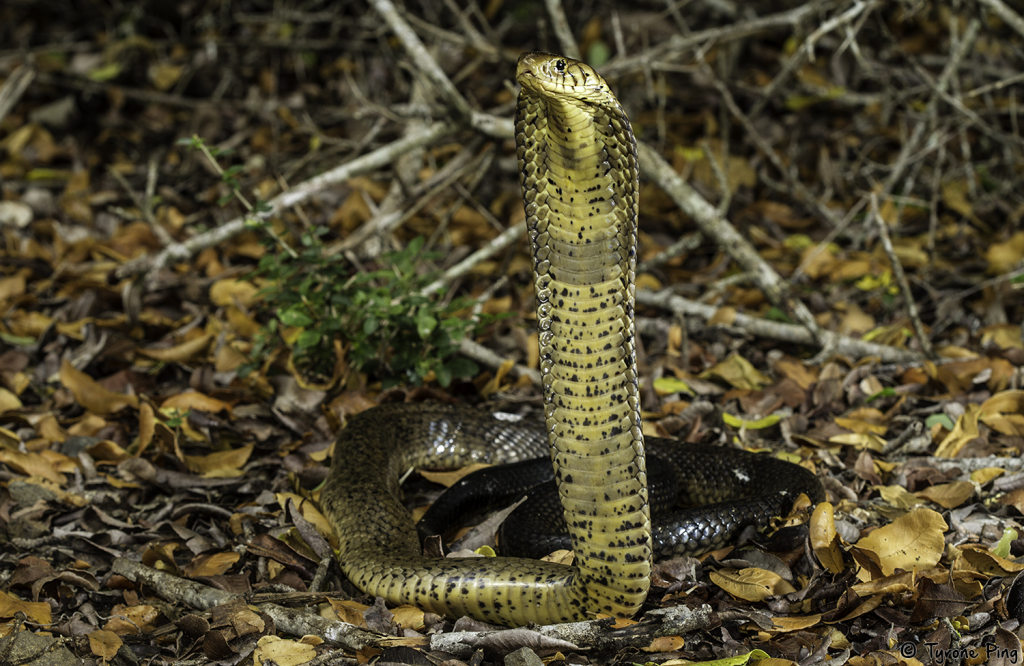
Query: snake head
(552,74)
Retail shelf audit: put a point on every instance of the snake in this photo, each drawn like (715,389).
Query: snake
(579,175)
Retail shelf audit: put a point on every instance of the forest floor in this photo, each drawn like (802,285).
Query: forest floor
(228,227)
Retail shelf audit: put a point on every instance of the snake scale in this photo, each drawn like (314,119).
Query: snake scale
(579,175)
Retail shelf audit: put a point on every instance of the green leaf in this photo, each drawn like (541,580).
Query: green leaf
(598,53)
(308,339)
(941,419)
(775,314)
(443,375)
(462,367)
(757,424)
(887,392)
(1002,549)
(370,325)
(105,72)
(425,324)
(294,316)
(666,385)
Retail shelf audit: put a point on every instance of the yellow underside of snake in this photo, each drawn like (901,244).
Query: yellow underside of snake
(578,169)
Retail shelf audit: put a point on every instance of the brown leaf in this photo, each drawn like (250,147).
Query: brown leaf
(90,394)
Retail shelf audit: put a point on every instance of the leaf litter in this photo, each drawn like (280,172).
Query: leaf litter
(171,408)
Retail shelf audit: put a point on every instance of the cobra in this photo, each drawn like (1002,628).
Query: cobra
(578,171)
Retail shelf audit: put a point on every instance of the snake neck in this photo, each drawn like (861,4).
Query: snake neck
(578,168)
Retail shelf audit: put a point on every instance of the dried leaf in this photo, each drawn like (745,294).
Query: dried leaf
(739,373)
(38,612)
(90,394)
(282,652)
(104,644)
(751,584)
(912,542)
(824,540)
(948,495)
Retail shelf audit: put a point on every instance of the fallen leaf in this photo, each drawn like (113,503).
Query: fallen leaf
(913,541)
(90,395)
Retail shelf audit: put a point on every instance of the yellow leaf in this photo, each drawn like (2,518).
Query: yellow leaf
(752,657)
(222,464)
(1003,257)
(898,496)
(912,542)
(164,75)
(347,611)
(824,540)
(954,195)
(668,385)
(757,424)
(738,372)
(1004,412)
(965,430)
(666,644)
(309,512)
(211,564)
(188,400)
(989,563)
(409,617)
(751,584)
(795,623)
(90,395)
(31,464)
(986,474)
(37,612)
(1003,336)
(859,426)
(869,440)
(948,495)
(723,316)
(104,644)
(451,477)
(233,292)
(283,652)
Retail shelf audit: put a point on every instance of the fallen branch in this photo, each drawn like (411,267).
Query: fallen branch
(841,344)
(297,622)
(716,227)
(298,194)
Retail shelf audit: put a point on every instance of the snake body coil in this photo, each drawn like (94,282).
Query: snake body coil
(578,168)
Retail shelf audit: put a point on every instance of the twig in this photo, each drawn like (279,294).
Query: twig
(1010,17)
(832,235)
(499,243)
(299,194)
(840,344)
(963,48)
(14,87)
(422,59)
(806,52)
(798,190)
(478,352)
(144,203)
(901,278)
(296,622)
(560,24)
(395,215)
(679,44)
(725,235)
(687,243)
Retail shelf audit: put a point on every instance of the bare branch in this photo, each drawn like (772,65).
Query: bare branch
(901,278)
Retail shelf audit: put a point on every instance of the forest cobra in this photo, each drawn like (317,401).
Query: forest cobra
(578,171)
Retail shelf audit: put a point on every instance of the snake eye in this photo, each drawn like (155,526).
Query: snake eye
(560,66)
